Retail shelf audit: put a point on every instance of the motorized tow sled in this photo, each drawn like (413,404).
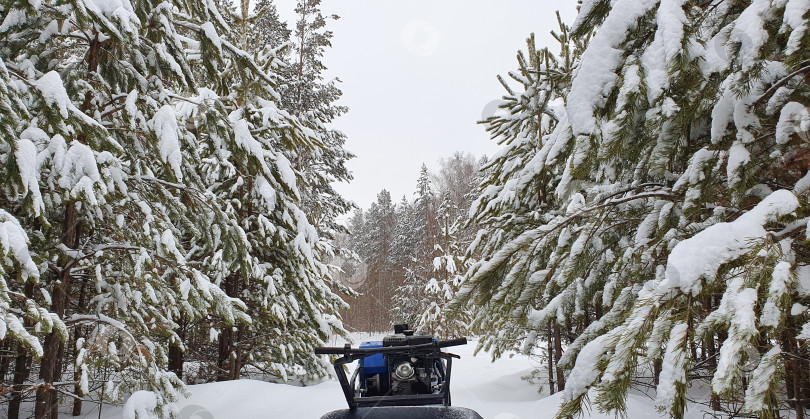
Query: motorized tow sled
(404,376)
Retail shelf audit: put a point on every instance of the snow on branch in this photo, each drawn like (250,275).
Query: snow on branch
(700,256)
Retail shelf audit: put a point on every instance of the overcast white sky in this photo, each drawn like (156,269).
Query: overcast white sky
(417,75)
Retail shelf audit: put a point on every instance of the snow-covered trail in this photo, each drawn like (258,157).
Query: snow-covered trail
(495,390)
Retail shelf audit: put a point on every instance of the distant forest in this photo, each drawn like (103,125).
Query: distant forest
(409,254)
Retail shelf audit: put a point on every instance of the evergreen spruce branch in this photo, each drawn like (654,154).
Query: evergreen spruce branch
(113,98)
(202,197)
(20,76)
(78,257)
(109,111)
(712,6)
(68,17)
(83,42)
(592,20)
(615,377)
(703,178)
(791,229)
(493,264)
(781,82)
(76,320)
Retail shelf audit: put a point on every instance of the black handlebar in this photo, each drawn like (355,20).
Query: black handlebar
(336,350)
(452,342)
(330,350)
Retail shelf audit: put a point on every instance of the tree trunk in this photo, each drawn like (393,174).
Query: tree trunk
(92,67)
(791,395)
(21,372)
(793,368)
(711,351)
(712,365)
(657,365)
(237,357)
(22,367)
(225,358)
(47,401)
(797,389)
(8,347)
(176,356)
(57,370)
(790,369)
(176,360)
(550,351)
(557,356)
(78,334)
(806,381)
(47,398)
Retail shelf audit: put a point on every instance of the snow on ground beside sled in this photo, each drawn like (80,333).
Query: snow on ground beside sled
(495,390)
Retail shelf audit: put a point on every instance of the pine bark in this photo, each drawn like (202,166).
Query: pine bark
(789,388)
(22,368)
(657,365)
(226,356)
(50,367)
(176,356)
(794,366)
(176,360)
(797,389)
(550,352)
(557,357)
(711,354)
(21,372)
(78,334)
(712,365)
(237,355)
(47,400)
(7,346)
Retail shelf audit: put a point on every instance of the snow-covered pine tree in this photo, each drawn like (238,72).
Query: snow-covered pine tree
(406,300)
(303,94)
(672,236)
(280,274)
(425,207)
(99,151)
(446,277)
(515,196)
(410,299)
(19,273)
(267,30)
(122,180)
(378,238)
(361,315)
(457,178)
(306,95)
(456,181)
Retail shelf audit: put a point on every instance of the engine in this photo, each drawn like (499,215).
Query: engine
(403,372)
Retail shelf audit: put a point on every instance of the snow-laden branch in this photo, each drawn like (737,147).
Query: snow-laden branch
(779,84)
(557,223)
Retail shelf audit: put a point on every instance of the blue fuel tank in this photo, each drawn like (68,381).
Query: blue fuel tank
(374,364)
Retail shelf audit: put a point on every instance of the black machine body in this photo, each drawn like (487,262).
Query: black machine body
(404,374)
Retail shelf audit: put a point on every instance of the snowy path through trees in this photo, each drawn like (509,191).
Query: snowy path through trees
(495,390)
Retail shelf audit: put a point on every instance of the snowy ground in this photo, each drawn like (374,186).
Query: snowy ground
(495,390)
